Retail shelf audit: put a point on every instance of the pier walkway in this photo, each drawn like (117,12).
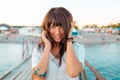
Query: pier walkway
(23,70)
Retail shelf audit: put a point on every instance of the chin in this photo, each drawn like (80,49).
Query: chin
(57,41)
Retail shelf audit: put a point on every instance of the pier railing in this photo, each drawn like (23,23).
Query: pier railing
(96,73)
(20,72)
(23,72)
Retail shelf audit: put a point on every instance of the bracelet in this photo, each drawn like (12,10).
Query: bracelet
(40,75)
(43,75)
(69,39)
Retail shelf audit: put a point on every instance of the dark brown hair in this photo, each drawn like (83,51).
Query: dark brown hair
(58,16)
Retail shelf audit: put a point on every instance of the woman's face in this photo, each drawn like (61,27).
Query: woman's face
(57,33)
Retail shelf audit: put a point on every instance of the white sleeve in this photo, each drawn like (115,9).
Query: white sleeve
(36,56)
(80,52)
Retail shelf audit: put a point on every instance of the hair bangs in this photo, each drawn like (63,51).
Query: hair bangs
(56,20)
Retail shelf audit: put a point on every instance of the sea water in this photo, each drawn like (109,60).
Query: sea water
(10,56)
(105,58)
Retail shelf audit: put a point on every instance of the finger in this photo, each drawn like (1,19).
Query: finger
(43,33)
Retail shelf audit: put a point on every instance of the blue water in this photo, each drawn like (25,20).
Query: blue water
(105,58)
(10,56)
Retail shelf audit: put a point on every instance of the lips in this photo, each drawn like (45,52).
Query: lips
(57,38)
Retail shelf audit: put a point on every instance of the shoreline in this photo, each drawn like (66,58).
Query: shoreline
(83,39)
(98,39)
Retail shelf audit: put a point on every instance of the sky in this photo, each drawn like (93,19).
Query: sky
(85,12)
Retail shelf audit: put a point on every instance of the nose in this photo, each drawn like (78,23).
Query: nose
(57,30)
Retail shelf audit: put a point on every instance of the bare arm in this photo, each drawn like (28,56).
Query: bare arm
(43,63)
(74,66)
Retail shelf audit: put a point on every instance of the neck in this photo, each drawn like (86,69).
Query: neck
(56,45)
(55,51)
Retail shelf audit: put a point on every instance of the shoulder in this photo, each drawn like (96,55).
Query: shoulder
(77,45)
(80,52)
(36,55)
(79,48)
(37,51)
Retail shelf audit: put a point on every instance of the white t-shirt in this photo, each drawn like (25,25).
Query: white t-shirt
(55,72)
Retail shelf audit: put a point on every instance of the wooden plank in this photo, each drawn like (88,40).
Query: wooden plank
(26,73)
(17,71)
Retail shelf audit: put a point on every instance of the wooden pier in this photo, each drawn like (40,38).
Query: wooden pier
(23,70)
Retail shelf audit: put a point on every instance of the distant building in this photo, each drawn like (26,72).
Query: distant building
(89,30)
(4,28)
(116,31)
(30,31)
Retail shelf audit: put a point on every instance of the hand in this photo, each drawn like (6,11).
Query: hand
(44,38)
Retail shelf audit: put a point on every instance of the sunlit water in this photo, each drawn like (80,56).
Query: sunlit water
(105,58)
(10,56)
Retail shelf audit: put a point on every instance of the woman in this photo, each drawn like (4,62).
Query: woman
(57,57)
